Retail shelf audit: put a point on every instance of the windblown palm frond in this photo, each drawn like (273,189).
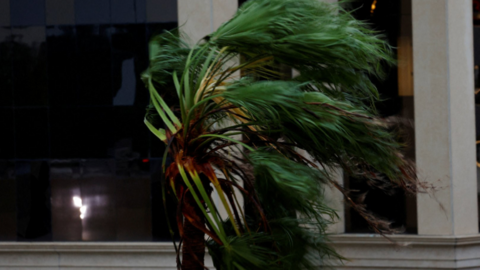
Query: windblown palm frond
(239,136)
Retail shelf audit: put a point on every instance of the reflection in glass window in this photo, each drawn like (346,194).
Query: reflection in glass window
(76,161)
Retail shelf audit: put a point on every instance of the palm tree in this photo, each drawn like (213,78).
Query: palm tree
(239,136)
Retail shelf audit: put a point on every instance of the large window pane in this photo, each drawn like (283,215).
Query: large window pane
(394,20)
(76,161)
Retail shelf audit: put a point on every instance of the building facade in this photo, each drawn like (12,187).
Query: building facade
(434,89)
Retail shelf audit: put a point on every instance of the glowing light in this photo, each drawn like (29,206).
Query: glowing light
(374,6)
(145,160)
(83,211)
(77,201)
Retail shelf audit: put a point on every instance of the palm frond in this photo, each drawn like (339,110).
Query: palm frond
(240,136)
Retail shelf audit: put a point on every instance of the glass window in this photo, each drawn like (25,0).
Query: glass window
(476,44)
(76,162)
(393,18)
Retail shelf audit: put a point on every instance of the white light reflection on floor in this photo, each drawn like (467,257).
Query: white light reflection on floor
(83,211)
(77,202)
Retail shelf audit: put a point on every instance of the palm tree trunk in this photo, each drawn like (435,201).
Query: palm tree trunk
(193,249)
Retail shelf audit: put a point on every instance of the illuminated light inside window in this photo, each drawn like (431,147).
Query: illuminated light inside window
(374,6)
(83,211)
(77,201)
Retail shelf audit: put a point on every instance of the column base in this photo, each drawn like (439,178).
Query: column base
(364,251)
(370,251)
(88,256)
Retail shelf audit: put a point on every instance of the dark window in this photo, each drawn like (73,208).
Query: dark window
(123,11)
(92,11)
(76,161)
(6,72)
(394,20)
(29,64)
(27,12)
(476,43)
(161,11)
(60,12)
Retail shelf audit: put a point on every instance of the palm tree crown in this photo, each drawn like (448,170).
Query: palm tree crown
(239,136)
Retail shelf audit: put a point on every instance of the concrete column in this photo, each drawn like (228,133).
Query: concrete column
(332,195)
(334,198)
(199,18)
(444,116)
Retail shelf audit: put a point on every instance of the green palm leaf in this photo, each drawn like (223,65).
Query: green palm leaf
(241,135)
